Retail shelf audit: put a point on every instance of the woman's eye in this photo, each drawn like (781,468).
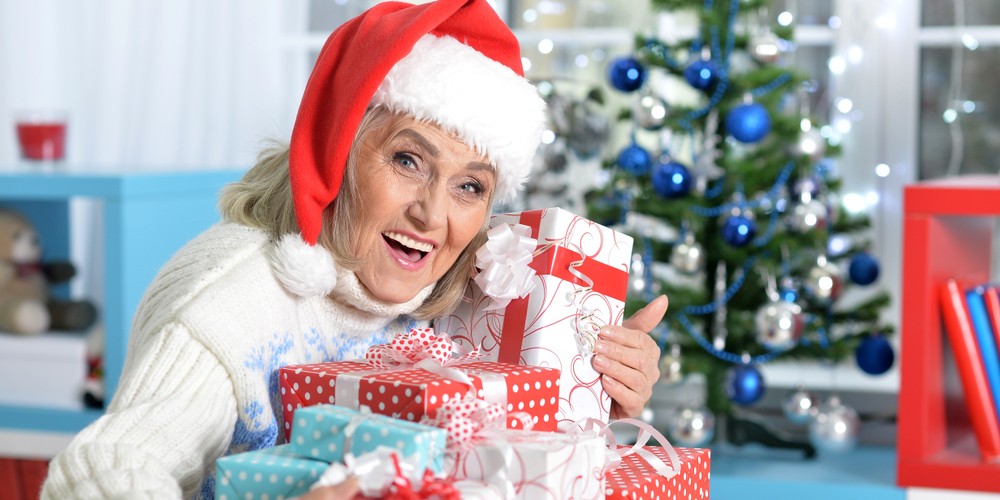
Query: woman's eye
(472,187)
(405,160)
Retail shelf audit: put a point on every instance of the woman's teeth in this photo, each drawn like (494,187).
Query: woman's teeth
(409,242)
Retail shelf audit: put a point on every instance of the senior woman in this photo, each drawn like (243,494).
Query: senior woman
(415,120)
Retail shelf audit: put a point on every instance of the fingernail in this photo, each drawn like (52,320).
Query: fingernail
(599,361)
(600,346)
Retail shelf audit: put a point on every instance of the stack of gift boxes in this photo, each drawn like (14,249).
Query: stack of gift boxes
(521,415)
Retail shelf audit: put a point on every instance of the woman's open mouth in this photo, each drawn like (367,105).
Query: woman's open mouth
(407,248)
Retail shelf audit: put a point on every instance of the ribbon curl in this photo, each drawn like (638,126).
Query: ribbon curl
(646,432)
(504,261)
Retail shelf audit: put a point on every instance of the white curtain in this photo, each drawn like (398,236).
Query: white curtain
(165,84)
(182,84)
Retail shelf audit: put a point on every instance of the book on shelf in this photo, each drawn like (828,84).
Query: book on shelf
(975,386)
(987,344)
(991,296)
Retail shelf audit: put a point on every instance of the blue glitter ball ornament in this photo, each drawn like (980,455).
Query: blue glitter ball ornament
(701,74)
(738,230)
(863,269)
(671,180)
(626,74)
(748,123)
(744,385)
(634,159)
(874,355)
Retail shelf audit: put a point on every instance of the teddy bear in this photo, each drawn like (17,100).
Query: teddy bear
(26,306)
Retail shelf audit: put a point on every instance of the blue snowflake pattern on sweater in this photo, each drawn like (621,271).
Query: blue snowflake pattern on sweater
(256,427)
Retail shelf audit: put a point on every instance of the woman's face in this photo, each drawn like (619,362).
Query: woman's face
(426,195)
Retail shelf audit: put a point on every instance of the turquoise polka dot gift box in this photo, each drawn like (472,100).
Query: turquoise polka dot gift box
(272,473)
(326,432)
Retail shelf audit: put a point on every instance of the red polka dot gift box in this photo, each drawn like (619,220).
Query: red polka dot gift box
(412,393)
(548,281)
(636,479)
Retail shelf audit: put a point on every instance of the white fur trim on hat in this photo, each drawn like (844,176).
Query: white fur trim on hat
(305,270)
(488,105)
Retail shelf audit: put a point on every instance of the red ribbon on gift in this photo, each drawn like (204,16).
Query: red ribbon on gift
(408,349)
(431,486)
(566,265)
(418,348)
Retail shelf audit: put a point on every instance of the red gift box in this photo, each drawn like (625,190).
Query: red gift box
(636,479)
(412,393)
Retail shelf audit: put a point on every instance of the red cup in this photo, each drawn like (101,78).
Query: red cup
(42,138)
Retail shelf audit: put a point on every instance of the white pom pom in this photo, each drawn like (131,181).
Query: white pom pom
(305,270)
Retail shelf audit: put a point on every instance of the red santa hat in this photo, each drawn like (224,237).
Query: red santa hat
(451,62)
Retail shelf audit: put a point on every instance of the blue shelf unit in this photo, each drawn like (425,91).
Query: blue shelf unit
(145,216)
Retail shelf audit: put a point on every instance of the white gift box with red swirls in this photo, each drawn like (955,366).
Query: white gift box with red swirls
(536,465)
(579,284)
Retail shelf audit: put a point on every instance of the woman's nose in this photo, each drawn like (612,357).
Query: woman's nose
(430,209)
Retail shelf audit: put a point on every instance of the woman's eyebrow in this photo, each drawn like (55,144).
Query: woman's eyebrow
(434,151)
(420,140)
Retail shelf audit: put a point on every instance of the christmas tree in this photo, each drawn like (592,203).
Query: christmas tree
(732,198)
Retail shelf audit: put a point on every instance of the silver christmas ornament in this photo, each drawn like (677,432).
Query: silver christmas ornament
(688,256)
(719,329)
(806,185)
(779,325)
(834,427)
(811,144)
(800,406)
(704,167)
(765,47)
(650,111)
(808,215)
(647,415)
(823,282)
(637,276)
(670,366)
(691,427)
(832,202)
(590,129)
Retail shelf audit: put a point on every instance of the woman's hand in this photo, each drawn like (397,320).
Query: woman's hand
(343,491)
(628,357)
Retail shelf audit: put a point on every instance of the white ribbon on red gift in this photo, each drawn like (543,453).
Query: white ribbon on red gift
(646,431)
(504,261)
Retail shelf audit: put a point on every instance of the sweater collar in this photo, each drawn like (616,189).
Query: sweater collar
(309,271)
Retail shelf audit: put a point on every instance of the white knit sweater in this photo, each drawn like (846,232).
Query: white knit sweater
(200,380)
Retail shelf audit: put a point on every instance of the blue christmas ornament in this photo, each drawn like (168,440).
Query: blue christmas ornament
(671,179)
(701,74)
(863,269)
(626,74)
(748,123)
(738,230)
(634,159)
(744,385)
(874,355)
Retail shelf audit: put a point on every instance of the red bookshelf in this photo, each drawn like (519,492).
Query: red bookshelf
(947,233)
